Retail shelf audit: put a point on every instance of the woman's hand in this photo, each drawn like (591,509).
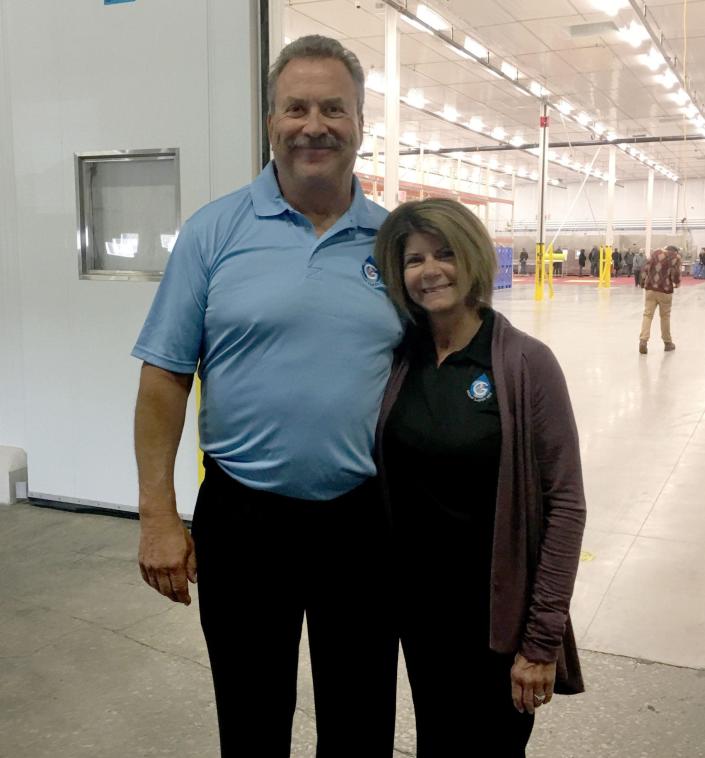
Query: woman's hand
(532,684)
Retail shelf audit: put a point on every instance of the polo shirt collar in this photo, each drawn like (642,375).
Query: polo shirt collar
(477,352)
(268,200)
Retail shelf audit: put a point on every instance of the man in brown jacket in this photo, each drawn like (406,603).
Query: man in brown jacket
(660,276)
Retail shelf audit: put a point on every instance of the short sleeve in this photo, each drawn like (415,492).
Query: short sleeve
(172,334)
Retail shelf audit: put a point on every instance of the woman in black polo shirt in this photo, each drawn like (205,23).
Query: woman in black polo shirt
(478,454)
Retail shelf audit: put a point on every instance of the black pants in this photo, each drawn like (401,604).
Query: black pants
(461,689)
(263,561)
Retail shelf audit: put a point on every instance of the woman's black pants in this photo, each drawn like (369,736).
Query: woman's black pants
(263,561)
(461,689)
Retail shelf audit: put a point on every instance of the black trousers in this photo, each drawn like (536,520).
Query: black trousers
(461,689)
(263,561)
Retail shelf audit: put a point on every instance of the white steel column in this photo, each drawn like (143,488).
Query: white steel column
(543,174)
(609,231)
(487,202)
(675,208)
(391,108)
(514,199)
(276,29)
(649,211)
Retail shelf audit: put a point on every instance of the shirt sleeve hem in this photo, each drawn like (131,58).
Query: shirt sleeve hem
(169,364)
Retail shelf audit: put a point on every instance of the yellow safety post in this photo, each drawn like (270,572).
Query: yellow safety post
(550,271)
(201,470)
(605,266)
(538,274)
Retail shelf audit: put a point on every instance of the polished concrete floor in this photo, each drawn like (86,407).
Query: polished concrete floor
(94,663)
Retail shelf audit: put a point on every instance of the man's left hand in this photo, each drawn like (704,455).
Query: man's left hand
(532,684)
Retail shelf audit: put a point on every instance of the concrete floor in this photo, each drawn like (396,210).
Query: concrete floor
(94,663)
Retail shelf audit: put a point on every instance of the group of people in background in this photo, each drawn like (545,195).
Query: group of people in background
(631,263)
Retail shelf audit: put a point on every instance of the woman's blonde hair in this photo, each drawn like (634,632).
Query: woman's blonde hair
(458,228)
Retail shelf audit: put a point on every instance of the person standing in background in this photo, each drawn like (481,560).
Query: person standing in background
(661,275)
(594,258)
(581,261)
(637,265)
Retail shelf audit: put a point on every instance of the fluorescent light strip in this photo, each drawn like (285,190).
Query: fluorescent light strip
(437,23)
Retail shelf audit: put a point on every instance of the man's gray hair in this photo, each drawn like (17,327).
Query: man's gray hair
(317,46)
(672,249)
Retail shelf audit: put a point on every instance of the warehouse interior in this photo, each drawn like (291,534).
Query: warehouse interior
(92,661)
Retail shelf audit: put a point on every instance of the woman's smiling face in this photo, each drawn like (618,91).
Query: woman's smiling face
(430,274)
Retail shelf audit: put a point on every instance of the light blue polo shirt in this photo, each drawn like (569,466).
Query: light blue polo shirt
(292,335)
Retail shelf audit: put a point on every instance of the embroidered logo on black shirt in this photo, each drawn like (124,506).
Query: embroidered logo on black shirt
(481,389)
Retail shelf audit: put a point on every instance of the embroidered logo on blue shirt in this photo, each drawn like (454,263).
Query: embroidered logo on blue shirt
(481,389)
(370,273)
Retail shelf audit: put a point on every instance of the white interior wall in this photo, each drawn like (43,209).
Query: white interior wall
(630,205)
(82,76)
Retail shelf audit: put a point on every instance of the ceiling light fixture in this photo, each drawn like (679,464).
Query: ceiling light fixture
(610,7)
(459,52)
(413,22)
(476,48)
(449,113)
(667,79)
(564,107)
(537,90)
(415,98)
(681,97)
(654,60)
(498,133)
(433,19)
(475,124)
(375,81)
(511,71)
(517,141)
(635,34)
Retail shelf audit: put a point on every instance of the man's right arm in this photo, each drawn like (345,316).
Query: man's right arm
(166,553)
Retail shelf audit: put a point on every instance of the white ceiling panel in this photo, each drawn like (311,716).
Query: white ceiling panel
(543,65)
(477,14)
(298,24)
(520,10)
(671,20)
(589,59)
(450,73)
(555,34)
(511,39)
(348,20)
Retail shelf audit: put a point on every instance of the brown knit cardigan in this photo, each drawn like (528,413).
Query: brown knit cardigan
(540,513)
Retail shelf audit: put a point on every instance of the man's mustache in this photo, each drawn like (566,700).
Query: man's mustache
(319,143)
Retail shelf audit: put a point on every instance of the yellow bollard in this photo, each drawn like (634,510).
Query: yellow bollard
(538,273)
(605,266)
(550,271)
(201,470)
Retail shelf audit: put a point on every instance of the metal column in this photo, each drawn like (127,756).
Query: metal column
(391,108)
(541,221)
(675,209)
(606,251)
(649,211)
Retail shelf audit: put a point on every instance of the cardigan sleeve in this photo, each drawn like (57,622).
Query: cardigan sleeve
(557,453)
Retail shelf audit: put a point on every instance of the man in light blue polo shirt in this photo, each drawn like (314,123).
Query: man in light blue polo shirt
(271,294)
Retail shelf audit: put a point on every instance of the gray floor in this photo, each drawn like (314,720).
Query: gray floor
(94,663)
